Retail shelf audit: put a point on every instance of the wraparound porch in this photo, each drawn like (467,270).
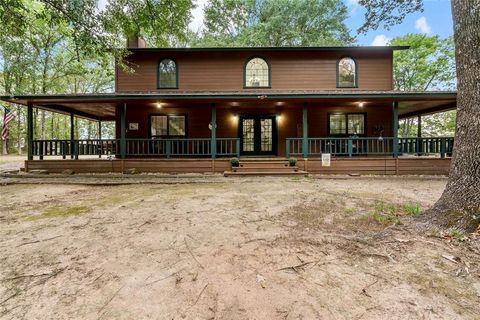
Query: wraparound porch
(168,128)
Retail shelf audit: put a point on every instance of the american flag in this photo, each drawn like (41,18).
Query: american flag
(8,116)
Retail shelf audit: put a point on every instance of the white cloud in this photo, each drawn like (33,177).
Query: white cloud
(422,25)
(381,40)
(197,16)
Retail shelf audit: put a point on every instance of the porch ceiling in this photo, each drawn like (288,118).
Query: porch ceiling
(102,106)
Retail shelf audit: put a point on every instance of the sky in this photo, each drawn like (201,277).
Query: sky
(436,19)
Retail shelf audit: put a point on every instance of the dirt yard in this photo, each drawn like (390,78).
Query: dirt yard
(257,248)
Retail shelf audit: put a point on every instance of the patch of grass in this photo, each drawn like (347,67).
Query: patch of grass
(388,213)
(385,218)
(412,209)
(456,233)
(57,212)
(350,211)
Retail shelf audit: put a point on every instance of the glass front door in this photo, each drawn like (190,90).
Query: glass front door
(258,135)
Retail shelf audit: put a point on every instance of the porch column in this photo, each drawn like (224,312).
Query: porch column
(395,129)
(123,127)
(305,132)
(72,136)
(419,128)
(419,135)
(100,147)
(213,145)
(30,131)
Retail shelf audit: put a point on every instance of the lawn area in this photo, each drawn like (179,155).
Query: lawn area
(226,248)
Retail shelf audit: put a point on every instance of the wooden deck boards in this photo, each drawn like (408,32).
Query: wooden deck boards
(377,166)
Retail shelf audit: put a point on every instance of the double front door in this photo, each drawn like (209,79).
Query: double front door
(258,135)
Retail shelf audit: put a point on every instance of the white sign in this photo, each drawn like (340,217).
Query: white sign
(326,159)
(133,126)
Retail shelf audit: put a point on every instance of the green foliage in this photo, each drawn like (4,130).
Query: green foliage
(274,23)
(387,13)
(234,162)
(292,161)
(456,233)
(390,213)
(429,64)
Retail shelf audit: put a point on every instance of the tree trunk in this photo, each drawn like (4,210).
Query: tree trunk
(459,205)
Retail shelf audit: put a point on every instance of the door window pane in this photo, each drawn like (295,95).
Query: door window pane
(266,134)
(338,124)
(248,135)
(356,124)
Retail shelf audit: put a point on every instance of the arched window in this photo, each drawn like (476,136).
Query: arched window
(347,73)
(257,73)
(167,74)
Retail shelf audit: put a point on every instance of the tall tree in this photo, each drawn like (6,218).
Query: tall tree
(459,205)
(275,23)
(428,65)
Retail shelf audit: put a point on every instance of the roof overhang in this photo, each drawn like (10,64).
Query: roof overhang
(273,49)
(102,106)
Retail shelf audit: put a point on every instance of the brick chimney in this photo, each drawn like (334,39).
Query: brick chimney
(136,42)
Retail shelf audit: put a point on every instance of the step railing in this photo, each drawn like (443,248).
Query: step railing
(363,146)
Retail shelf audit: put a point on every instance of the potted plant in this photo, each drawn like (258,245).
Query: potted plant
(234,163)
(292,162)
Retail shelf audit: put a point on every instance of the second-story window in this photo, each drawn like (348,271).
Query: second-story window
(257,73)
(167,74)
(347,73)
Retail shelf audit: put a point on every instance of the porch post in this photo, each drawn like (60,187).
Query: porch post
(100,147)
(305,132)
(395,129)
(123,142)
(419,135)
(213,146)
(72,135)
(30,131)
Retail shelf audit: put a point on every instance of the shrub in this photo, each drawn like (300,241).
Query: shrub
(234,162)
(292,162)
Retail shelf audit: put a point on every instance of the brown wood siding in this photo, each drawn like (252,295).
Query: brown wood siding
(223,71)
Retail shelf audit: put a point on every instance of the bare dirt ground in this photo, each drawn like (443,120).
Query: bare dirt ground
(257,248)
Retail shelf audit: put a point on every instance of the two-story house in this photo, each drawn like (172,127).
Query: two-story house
(192,109)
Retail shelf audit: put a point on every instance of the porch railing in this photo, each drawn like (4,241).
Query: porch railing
(426,146)
(353,146)
(136,147)
(75,148)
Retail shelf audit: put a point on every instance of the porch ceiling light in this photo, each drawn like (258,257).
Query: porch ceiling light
(361,104)
(159,105)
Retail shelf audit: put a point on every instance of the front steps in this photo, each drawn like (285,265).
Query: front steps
(262,167)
